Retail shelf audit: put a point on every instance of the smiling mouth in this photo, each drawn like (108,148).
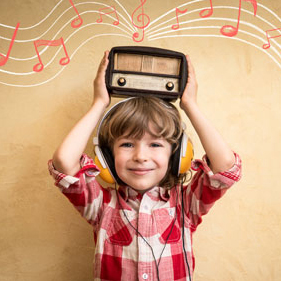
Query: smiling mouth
(140,172)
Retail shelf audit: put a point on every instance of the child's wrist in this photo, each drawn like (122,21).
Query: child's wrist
(100,103)
(189,106)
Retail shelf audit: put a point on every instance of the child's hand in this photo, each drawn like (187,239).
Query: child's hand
(100,91)
(189,96)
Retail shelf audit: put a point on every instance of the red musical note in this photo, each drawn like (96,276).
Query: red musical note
(143,19)
(112,10)
(266,46)
(177,25)
(79,19)
(63,61)
(209,11)
(229,30)
(3,58)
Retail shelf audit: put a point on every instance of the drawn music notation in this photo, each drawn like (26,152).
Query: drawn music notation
(78,20)
(230,30)
(178,11)
(140,20)
(276,33)
(107,11)
(205,13)
(143,19)
(59,42)
(4,58)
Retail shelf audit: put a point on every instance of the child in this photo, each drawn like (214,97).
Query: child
(143,230)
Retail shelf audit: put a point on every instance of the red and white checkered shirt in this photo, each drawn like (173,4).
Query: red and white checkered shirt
(136,235)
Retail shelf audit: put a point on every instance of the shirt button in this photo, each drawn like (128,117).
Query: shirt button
(145,276)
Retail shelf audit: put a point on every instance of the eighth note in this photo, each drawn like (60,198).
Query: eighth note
(111,10)
(209,11)
(79,19)
(63,61)
(3,58)
(177,25)
(229,30)
(266,46)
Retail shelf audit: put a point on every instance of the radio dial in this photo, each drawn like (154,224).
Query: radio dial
(121,81)
(170,86)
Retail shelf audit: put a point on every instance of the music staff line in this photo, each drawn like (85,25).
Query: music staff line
(153,32)
(262,39)
(122,35)
(59,49)
(221,36)
(59,72)
(64,26)
(129,25)
(69,8)
(249,34)
(183,6)
(154,36)
(152,29)
(161,37)
(147,32)
(71,20)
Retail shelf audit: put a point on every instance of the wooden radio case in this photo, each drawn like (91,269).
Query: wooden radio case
(146,71)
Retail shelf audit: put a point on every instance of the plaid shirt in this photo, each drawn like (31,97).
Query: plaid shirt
(134,232)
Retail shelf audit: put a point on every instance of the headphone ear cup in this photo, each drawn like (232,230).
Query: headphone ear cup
(182,157)
(185,163)
(103,165)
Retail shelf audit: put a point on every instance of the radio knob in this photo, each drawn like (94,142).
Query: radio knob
(170,86)
(121,81)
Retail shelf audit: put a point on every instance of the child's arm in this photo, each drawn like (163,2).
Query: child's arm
(220,155)
(67,157)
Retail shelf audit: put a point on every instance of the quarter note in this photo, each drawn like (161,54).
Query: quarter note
(111,10)
(143,20)
(59,42)
(278,34)
(205,13)
(178,11)
(229,30)
(3,58)
(79,19)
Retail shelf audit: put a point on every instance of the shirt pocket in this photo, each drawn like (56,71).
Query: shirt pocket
(118,233)
(167,225)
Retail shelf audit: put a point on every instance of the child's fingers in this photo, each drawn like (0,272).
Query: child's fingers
(191,71)
(103,63)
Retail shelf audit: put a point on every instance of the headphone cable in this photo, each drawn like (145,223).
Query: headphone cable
(138,233)
(183,239)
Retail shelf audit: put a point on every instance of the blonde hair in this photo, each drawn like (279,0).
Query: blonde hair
(134,117)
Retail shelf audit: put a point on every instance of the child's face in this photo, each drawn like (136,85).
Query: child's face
(141,163)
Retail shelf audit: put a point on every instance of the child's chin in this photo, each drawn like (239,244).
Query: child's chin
(141,189)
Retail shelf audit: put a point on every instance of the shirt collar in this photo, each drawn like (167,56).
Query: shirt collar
(157,192)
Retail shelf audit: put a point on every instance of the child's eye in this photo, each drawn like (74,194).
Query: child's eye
(156,145)
(126,144)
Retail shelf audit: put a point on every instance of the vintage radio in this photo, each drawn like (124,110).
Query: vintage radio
(143,71)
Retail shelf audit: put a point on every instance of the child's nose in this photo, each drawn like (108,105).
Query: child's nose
(140,153)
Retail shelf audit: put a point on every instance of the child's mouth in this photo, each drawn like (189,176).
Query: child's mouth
(140,172)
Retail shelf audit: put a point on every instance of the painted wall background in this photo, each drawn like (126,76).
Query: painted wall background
(42,237)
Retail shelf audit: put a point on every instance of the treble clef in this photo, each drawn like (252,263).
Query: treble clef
(143,20)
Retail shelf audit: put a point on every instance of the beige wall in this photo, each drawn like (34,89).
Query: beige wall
(41,235)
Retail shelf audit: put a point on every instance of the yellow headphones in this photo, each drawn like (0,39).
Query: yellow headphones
(180,159)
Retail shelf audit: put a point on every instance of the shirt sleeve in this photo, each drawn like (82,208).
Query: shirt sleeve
(82,190)
(206,187)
